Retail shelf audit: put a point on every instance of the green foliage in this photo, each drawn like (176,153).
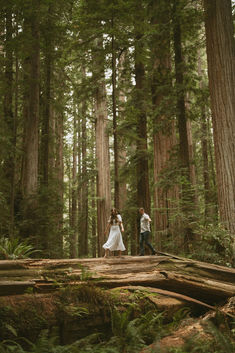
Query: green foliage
(214,245)
(218,341)
(12,249)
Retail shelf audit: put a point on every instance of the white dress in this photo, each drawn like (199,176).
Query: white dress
(115,241)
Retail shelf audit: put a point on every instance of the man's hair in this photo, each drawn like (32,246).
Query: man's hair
(141,209)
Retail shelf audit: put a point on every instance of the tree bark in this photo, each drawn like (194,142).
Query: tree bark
(122,147)
(84,190)
(164,137)
(205,154)
(47,116)
(115,132)
(30,175)
(221,69)
(200,281)
(74,201)
(9,165)
(102,151)
(184,157)
(142,168)
(59,167)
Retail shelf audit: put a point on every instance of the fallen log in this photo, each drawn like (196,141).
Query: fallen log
(199,328)
(208,283)
(75,312)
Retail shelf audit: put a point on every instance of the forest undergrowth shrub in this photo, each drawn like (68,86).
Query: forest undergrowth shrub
(12,249)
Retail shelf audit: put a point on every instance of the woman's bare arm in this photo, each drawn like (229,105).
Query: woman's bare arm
(121,225)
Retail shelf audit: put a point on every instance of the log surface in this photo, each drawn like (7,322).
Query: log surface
(205,282)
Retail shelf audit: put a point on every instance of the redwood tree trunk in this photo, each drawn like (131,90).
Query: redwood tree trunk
(102,150)
(164,138)
(115,133)
(59,165)
(84,190)
(29,181)
(221,69)
(142,169)
(184,153)
(122,147)
(30,176)
(9,165)
(74,201)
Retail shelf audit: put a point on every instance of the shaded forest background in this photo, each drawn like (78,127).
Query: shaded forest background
(107,103)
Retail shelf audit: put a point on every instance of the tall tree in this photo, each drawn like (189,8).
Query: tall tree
(142,168)
(164,137)
(9,165)
(115,133)
(221,69)
(74,196)
(31,106)
(184,157)
(102,147)
(84,183)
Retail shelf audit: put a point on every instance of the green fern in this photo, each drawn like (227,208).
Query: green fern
(12,249)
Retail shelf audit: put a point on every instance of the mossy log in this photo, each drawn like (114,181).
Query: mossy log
(208,283)
(74,312)
(202,328)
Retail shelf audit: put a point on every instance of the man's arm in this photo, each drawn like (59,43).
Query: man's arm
(148,218)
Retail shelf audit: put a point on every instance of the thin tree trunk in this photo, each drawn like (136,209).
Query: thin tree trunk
(74,201)
(204,146)
(115,133)
(84,190)
(9,118)
(212,168)
(46,122)
(221,69)
(59,165)
(93,210)
(122,155)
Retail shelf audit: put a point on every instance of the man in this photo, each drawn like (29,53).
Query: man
(145,232)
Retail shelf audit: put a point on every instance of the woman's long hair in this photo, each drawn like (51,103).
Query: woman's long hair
(113,216)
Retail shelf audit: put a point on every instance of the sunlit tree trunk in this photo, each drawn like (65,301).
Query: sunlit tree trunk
(221,69)
(205,150)
(122,155)
(115,126)
(102,150)
(31,116)
(59,167)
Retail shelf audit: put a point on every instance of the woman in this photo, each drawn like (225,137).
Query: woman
(114,241)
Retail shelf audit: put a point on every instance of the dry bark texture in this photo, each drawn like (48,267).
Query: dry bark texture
(197,280)
(102,155)
(190,328)
(221,70)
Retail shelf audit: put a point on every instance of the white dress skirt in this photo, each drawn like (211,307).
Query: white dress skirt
(115,241)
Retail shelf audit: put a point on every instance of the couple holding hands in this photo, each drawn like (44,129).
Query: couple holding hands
(115,227)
